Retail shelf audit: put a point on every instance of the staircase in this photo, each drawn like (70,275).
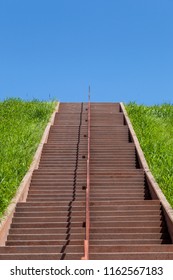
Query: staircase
(125,222)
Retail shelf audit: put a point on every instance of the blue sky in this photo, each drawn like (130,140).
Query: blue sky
(56,48)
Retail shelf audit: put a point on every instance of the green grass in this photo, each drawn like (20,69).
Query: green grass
(21,127)
(154,128)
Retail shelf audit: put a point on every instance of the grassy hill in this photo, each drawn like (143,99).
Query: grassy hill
(21,127)
(154,128)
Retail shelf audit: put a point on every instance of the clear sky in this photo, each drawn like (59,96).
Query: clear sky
(56,48)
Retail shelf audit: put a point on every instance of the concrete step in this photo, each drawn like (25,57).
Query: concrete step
(133,256)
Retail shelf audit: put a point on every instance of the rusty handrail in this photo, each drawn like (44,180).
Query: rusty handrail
(87,222)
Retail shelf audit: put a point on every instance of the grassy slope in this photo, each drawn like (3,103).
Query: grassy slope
(154,128)
(21,127)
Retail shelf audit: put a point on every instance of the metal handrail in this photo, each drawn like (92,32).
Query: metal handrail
(87,222)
